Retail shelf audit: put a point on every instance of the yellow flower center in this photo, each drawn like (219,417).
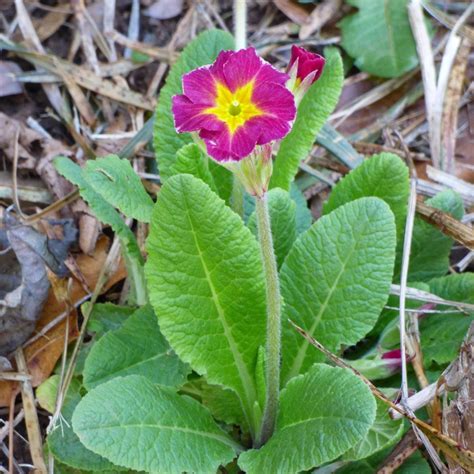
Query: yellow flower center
(234,108)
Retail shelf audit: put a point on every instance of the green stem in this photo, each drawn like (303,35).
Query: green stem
(273,346)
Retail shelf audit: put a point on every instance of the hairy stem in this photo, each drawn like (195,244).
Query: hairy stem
(273,345)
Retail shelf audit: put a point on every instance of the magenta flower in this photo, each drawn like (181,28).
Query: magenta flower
(308,65)
(236,103)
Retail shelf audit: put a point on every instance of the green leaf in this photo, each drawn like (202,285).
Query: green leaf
(203,50)
(442,334)
(379,37)
(314,110)
(415,464)
(116,181)
(384,176)
(382,434)
(46,393)
(206,285)
(283,222)
(64,444)
(304,219)
(322,414)
(223,404)
(336,280)
(104,211)
(429,256)
(192,160)
(147,427)
(106,317)
(137,348)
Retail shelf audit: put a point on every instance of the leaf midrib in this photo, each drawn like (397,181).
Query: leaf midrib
(99,380)
(298,362)
(246,379)
(157,426)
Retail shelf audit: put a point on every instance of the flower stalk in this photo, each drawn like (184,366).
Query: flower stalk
(273,345)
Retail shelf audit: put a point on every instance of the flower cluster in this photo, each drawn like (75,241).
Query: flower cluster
(240,104)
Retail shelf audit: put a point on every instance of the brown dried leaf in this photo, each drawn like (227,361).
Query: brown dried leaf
(43,353)
(293,11)
(35,152)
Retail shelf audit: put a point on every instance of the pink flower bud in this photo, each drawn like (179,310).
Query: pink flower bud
(308,65)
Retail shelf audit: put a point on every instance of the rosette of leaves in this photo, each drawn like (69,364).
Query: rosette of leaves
(186,393)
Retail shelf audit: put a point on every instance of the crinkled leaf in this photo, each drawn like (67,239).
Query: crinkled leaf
(64,444)
(203,50)
(206,285)
(304,218)
(384,176)
(223,404)
(148,427)
(322,414)
(379,37)
(314,110)
(383,433)
(430,249)
(283,222)
(104,211)
(137,348)
(191,159)
(442,334)
(116,181)
(106,317)
(336,280)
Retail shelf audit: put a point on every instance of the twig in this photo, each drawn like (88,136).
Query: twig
(15,376)
(403,450)
(6,429)
(29,33)
(428,72)
(453,182)
(427,297)
(460,232)
(107,269)
(31,416)
(449,57)
(133,26)
(240,24)
(403,284)
(11,431)
(450,447)
(108,24)
(420,399)
(16,201)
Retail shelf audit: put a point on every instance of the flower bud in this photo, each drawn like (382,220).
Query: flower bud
(255,170)
(304,69)
(379,366)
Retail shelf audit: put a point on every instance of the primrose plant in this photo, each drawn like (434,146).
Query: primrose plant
(208,373)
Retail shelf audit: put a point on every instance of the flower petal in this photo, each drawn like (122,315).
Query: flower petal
(241,67)
(200,86)
(189,117)
(275,100)
(269,128)
(224,146)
